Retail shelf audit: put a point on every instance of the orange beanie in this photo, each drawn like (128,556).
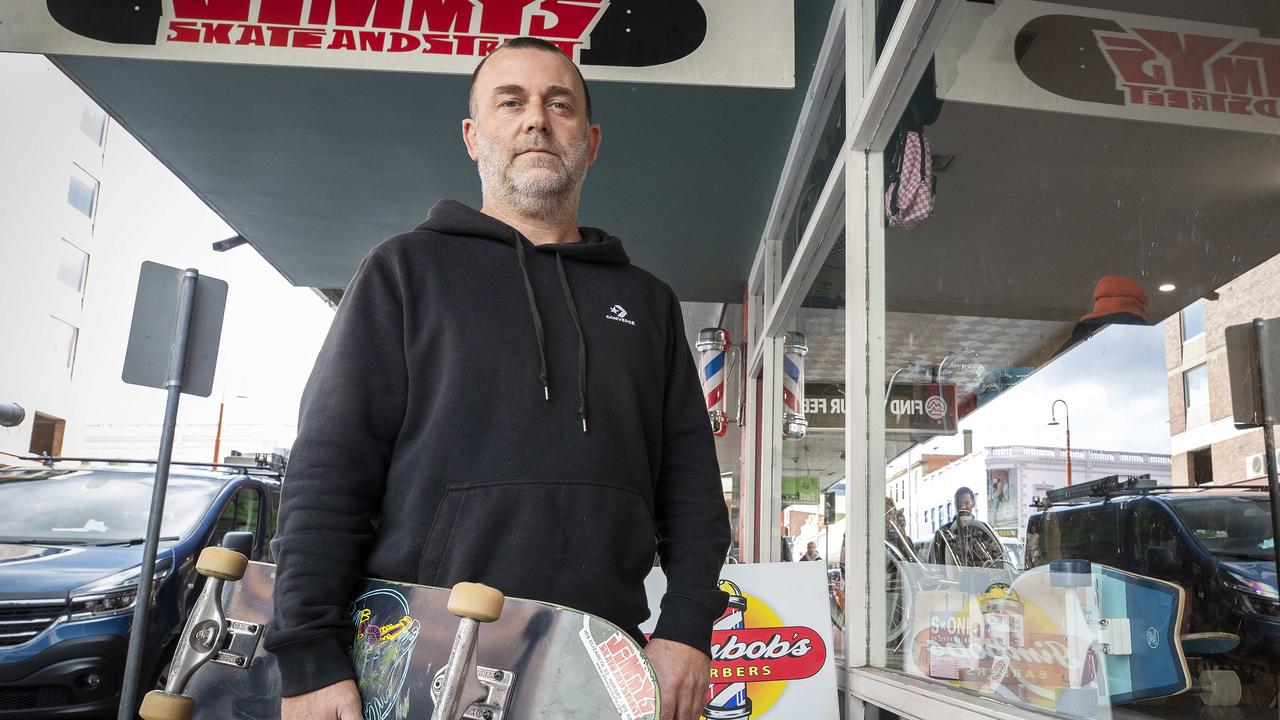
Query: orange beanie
(1117,294)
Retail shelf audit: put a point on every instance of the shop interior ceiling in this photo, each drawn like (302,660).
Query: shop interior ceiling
(314,167)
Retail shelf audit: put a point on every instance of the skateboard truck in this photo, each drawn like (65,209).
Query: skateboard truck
(482,691)
(215,638)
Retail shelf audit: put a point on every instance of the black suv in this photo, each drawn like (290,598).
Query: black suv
(1215,542)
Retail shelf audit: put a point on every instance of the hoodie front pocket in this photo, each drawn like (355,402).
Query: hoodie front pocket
(581,543)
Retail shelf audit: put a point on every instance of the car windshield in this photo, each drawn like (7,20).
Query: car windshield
(1232,528)
(95,506)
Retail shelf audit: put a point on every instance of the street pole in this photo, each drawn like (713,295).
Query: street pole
(217,438)
(1053,420)
(1268,425)
(142,606)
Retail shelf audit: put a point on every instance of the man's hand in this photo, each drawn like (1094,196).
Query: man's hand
(339,701)
(683,675)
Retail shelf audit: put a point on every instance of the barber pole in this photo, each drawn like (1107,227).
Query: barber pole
(794,424)
(712,346)
(729,701)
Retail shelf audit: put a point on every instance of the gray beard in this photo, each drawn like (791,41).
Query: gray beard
(537,194)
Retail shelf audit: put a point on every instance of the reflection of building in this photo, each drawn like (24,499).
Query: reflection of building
(1021,473)
(1206,446)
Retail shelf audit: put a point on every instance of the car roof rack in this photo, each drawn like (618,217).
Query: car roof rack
(266,464)
(1127,485)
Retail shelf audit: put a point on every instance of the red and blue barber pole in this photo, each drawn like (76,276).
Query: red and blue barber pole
(729,701)
(794,423)
(712,346)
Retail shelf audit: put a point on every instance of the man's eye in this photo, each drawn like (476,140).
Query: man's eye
(560,106)
(509,103)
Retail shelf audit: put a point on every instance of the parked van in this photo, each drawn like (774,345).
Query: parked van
(71,542)
(1216,543)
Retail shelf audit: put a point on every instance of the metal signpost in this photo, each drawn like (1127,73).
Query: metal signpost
(173,345)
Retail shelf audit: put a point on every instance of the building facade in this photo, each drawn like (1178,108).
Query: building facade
(1207,447)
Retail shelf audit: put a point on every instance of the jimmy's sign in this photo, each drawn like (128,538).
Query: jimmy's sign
(1096,62)
(715,42)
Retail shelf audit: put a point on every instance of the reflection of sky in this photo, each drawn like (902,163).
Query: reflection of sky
(1114,383)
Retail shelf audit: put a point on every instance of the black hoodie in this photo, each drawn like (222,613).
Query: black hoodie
(488,410)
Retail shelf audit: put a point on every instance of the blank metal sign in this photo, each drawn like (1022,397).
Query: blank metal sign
(155,319)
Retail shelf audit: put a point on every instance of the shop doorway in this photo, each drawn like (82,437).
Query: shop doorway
(46,435)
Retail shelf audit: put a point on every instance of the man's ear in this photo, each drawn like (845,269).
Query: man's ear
(469,137)
(594,135)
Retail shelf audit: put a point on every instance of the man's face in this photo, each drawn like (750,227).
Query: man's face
(965,503)
(529,132)
(813,548)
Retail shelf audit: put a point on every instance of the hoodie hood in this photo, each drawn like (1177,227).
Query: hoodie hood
(451,217)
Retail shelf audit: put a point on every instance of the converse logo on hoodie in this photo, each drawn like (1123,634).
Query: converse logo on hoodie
(619,313)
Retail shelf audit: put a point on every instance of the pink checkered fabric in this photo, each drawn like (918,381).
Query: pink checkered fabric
(908,201)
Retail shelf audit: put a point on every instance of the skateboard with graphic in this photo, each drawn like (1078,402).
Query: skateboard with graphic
(418,651)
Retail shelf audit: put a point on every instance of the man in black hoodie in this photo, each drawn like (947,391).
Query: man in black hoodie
(496,385)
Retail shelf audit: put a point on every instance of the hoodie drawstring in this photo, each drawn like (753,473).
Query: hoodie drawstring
(537,321)
(582,343)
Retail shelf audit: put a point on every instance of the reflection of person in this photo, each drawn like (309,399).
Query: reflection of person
(965,540)
(811,552)
(444,433)
(1117,300)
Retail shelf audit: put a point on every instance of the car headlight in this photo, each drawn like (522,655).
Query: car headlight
(115,594)
(1257,597)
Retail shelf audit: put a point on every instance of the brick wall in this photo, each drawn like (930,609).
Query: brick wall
(1229,456)
(1181,470)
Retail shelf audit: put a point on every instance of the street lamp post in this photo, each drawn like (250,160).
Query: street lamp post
(1053,420)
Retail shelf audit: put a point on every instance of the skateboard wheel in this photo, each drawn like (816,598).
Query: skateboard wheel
(221,563)
(1220,688)
(157,705)
(476,601)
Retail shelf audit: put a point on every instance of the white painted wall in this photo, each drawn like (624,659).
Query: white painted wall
(272,332)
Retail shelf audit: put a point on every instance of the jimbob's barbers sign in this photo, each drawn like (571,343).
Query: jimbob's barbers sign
(711,42)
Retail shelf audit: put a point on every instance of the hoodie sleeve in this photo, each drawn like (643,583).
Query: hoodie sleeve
(351,413)
(691,516)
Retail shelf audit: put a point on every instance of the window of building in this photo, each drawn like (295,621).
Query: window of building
(93,123)
(1195,386)
(63,337)
(82,191)
(1192,320)
(1201,465)
(46,435)
(73,266)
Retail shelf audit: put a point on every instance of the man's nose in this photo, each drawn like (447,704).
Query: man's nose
(536,119)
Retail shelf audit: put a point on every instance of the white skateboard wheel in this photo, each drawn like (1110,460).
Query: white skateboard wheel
(157,705)
(475,601)
(222,563)
(1220,688)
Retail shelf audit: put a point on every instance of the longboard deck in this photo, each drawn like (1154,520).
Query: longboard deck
(566,664)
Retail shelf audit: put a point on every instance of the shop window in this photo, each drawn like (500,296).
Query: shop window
(1195,386)
(1026,304)
(73,266)
(1192,320)
(82,192)
(93,123)
(46,435)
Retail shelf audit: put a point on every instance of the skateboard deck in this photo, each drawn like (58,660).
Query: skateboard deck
(537,660)
(1065,641)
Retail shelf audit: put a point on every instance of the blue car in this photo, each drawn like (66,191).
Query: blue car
(71,542)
